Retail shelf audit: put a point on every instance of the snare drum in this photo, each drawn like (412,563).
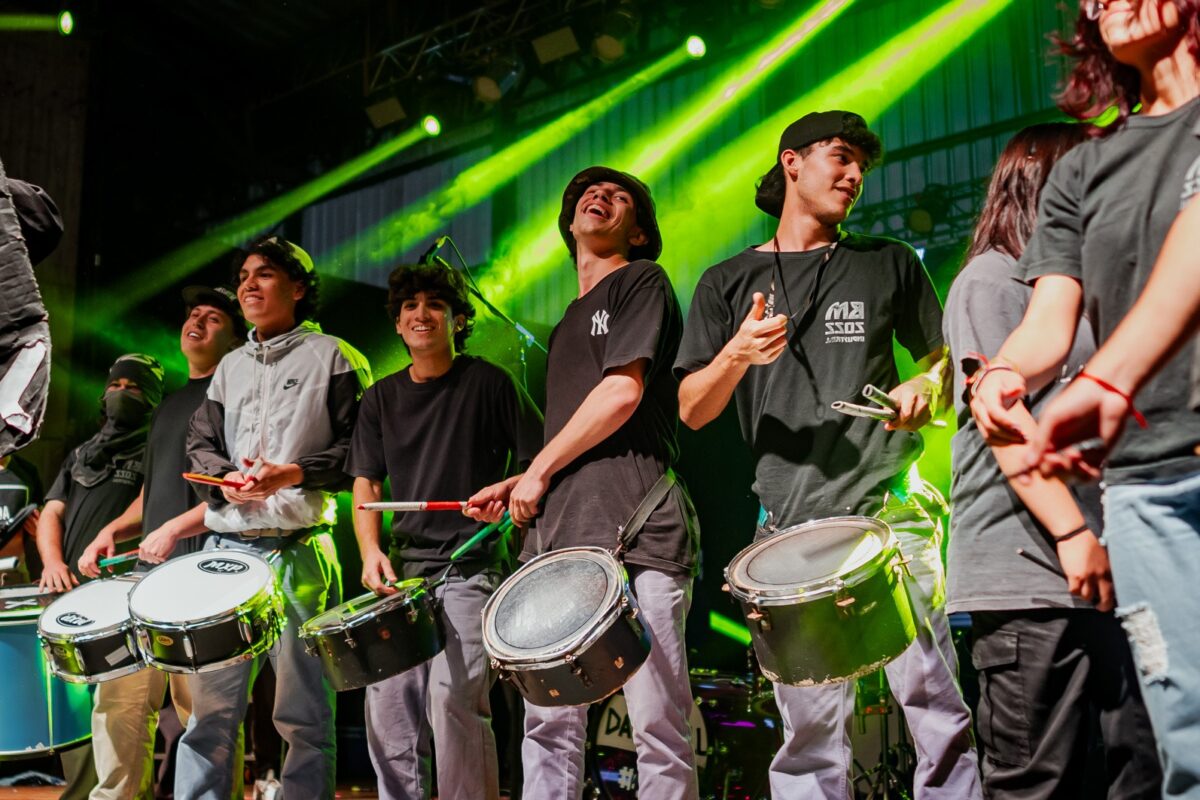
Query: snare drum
(564,628)
(204,611)
(86,634)
(372,637)
(825,601)
(40,715)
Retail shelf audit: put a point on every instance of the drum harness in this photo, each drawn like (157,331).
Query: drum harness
(628,532)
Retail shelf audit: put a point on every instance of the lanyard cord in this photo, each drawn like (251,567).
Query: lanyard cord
(812,294)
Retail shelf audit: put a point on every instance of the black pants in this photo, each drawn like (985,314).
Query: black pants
(1044,676)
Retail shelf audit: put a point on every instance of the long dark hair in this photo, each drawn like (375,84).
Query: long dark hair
(1010,212)
(1098,80)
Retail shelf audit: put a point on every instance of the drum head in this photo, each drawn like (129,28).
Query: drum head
(199,585)
(552,603)
(91,607)
(808,555)
(23,602)
(361,608)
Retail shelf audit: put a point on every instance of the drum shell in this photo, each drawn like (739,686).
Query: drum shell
(838,637)
(75,660)
(213,643)
(385,644)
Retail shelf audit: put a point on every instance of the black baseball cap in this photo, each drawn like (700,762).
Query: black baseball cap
(815,127)
(642,202)
(221,297)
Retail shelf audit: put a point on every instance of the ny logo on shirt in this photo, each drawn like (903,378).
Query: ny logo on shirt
(600,323)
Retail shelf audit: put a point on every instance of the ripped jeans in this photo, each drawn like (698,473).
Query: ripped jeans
(1152,531)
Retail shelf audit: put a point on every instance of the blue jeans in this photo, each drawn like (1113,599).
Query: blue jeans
(1152,531)
(309,574)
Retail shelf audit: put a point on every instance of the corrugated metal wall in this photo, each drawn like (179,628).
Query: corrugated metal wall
(948,130)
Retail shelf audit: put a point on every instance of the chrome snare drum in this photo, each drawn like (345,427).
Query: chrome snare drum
(373,637)
(825,601)
(86,634)
(206,610)
(41,715)
(564,628)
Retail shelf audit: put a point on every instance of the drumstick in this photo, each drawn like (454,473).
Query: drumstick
(1023,553)
(877,395)
(211,480)
(415,505)
(112,562)
(504,525)
(872,412)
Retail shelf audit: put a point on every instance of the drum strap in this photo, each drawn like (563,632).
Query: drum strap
(653,499)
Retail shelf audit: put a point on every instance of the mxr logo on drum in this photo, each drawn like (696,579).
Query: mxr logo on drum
(74,620)
(845,321)
(223,566)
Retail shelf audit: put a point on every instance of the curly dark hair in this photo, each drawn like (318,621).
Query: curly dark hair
(1098,80)
(277,251)
(408,280)
(1009,214)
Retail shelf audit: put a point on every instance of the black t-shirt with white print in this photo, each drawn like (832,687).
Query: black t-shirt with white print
(813,462)
(630,314)
(88,509)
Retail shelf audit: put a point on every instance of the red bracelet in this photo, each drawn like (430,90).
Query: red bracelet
(1108,387)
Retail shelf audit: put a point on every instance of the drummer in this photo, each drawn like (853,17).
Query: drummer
(438,429)
(167,510)
(788,327)
(98,480)
(277,417)
(610,434)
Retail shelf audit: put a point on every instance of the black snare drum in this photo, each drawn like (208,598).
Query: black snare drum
(86,634)
(371,638)
(564,628)
(825,601)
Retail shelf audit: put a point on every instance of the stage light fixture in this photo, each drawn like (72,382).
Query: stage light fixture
(555,45)
(500,77)
(66,23)
(616,29)
(431,125)
(930,207)
(385,112)
(696,47)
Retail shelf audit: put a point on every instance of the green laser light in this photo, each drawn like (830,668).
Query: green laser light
(695,47)
(66,23)
(431,125)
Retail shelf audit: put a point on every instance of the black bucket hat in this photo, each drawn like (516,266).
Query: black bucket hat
(815,127)
(643,207)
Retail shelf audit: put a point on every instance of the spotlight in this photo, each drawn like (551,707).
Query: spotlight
(66,23)
(497,80)
(431,125)
(695,47)
(616,29)
(931,206)
(555,45)
(385,112)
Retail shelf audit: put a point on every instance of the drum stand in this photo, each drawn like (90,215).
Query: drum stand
(890,778)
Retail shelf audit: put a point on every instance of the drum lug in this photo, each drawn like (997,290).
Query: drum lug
(900,565)
(761,617)
(350,640)
(246,629)
(412,613)
(843,600)
(143,642)
(578,672)
(188,649)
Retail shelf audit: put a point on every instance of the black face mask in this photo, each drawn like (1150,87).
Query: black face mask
(125,410)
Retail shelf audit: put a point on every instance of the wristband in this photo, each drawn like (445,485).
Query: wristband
(1071,534)
(1108,387)
(976,379)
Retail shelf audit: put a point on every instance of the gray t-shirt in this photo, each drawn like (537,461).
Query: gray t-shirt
(1104,213)
(987,521)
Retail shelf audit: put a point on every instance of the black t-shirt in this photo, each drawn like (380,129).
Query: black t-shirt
(1104,213)
(167,494)
(813,462)
(90,509)
(443,439)
(630,314)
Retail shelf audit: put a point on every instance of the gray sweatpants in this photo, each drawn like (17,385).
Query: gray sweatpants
(815,759)
(447,696)
(659,697)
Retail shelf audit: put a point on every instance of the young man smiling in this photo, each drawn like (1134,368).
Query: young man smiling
(439,429)
(278,417)
(611,417)
(789,327)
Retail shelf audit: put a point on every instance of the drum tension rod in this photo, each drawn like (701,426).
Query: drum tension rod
(578,671)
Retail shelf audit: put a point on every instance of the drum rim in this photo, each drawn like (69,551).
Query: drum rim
(811,590)
(178,560)
(266,596)
(99,677)
(387,602)
(583,638)
(43,751)
(93,635)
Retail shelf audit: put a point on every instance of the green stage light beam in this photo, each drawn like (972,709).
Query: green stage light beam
(175,266)
(869,86)
(406,228)
(655,149)
(28,22)
(718,623)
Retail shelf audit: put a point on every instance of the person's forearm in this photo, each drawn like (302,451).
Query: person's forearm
(705,393)
(50,533)
(1039,345)
(1048,499)
(368,525)
(188,524)
(606,408)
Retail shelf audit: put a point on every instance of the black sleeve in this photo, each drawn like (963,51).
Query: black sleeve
(1056,245)
(917,311)
(208,453)
(640,312)
(521,419)
(62,482)
(349,378)
(366,456)
(709,327)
